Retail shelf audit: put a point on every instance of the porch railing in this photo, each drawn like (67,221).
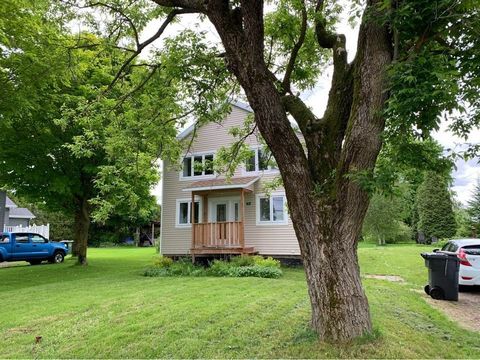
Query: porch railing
(227,234)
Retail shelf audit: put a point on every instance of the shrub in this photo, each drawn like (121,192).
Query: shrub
(161,261)
(242,260)
(222,268)
(242,266)
(266,262)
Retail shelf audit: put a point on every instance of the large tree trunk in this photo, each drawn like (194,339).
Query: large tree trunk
(326,204)
(82,226)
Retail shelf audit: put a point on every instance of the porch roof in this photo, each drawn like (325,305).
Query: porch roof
(221,184)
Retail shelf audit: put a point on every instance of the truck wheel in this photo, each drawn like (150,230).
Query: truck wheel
(35,262)
(437,293)
(57,257)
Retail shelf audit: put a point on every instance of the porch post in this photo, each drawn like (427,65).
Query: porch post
(242,225)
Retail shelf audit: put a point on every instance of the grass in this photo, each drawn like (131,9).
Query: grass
(108,310)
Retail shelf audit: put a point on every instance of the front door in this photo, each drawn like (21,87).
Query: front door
(221,212)
(225,210)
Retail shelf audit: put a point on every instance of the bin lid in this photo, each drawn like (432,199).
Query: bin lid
(439,255)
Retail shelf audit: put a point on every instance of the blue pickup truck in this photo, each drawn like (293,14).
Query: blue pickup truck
(30,247)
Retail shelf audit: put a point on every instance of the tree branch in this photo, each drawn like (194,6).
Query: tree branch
(147,42)
(325,38)
(294,53)
(198,6)
(123,15)
(300,112)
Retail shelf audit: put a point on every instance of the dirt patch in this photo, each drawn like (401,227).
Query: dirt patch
(464,311)
(391,278)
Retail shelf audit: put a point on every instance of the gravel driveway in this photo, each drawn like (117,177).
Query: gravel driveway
(465,311)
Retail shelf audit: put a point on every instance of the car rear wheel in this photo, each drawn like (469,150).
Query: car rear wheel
(57,257)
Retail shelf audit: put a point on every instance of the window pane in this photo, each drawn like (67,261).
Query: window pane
(264,209)
(263,159)
(197,212)
(187,166)
(183,215)
(237,216)
(221,212)
(20,238)
(5,239)
(278,210)
(197,166)
(208,164)
(38,239)
(250,164)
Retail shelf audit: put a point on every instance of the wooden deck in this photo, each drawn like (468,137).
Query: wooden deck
(212,238)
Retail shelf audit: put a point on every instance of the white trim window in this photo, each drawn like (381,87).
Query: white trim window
(260,160)
(183,212)
(272,209)
(197,166)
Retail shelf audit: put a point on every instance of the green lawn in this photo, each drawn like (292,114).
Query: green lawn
(109,310)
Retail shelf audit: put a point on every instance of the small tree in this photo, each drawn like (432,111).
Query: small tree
(474,210)
(384,220)
(435,210)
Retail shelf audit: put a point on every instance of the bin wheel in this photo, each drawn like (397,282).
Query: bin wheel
(437,293)
(427,289)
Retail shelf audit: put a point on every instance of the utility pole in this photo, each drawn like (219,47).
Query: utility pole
(3,205)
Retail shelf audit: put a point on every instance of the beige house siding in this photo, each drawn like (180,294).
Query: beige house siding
(277,239)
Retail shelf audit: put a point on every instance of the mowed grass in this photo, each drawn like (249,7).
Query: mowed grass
(108,310)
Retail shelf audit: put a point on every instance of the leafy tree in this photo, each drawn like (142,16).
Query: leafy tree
(473,210)
(384,221)
(434,204)
(415,60)
(76,143)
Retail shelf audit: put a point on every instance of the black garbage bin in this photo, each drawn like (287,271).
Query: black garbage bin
(443,271)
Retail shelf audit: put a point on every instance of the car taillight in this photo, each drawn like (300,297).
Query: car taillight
(463,258)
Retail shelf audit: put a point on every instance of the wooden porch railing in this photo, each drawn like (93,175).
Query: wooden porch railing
(227,234)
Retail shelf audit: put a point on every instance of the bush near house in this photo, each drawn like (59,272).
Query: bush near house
(239,266)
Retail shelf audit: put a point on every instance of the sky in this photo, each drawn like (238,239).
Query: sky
(465,174)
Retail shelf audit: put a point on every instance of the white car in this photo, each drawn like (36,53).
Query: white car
(468,251)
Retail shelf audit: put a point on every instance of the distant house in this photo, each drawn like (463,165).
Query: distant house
(17,216)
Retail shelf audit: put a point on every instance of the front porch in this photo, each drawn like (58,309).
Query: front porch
(221,228)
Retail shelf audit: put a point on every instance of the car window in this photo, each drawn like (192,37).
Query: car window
(5,239)
(38,239)
(21,238)
(472,249)
(447,247)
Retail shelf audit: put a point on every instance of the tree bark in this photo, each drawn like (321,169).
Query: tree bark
(326,204)
(82,226)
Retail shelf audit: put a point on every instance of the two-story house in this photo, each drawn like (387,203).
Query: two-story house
(229,216)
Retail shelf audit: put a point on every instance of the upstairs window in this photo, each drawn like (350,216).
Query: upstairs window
(260,160)
(197,165)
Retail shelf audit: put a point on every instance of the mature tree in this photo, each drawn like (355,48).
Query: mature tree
(75,143)
(429,52)
(435,208)
(474,210)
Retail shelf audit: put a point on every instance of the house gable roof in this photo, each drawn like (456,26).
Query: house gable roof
(21,213)
(10,204)
(189,129)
